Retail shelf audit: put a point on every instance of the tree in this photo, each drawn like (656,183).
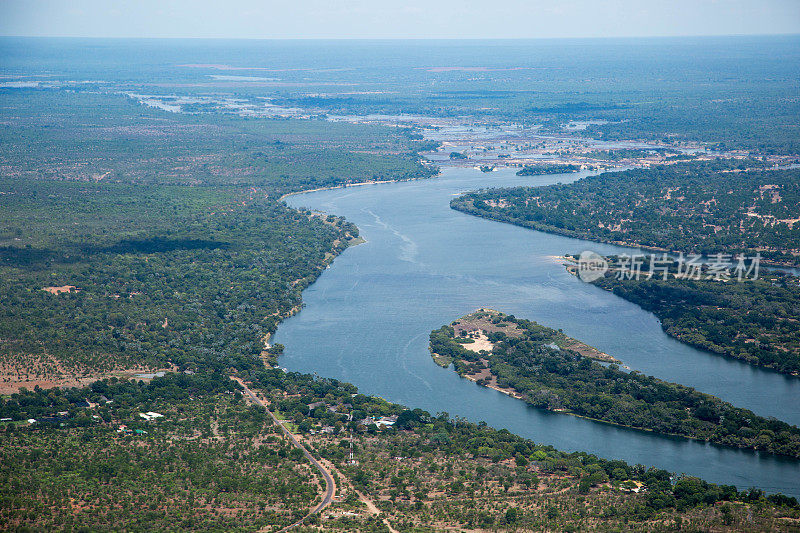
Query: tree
(513,514)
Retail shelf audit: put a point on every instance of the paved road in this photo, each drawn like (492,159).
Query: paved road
(330,485)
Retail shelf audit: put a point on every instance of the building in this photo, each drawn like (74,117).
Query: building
(314,405)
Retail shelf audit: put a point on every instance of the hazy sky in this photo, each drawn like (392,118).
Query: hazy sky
(396,19)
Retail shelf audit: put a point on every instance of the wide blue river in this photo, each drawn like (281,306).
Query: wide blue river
(367,320)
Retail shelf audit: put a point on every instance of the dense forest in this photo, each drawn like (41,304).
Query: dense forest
(133,240)
(525,358)
(162,276)
(693,207)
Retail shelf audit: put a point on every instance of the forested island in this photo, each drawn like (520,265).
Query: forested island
(709,207)
(630,153)
(531,362)
(552,168)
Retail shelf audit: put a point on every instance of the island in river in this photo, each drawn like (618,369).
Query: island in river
(549,370)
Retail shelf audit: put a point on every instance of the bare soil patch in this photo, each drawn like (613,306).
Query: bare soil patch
(60,290)
(484,320)
(47,373)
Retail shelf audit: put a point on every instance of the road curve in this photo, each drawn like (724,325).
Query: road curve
(330,485)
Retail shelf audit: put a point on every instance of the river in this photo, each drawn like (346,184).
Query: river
(366,320)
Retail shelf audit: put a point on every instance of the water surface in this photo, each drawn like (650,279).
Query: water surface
(367,320)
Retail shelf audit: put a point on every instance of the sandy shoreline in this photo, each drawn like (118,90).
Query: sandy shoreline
(346,185)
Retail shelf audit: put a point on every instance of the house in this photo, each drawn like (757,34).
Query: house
(386,421)
(150,415)
(57,417)
(632,486)
(314,405)
(340,407)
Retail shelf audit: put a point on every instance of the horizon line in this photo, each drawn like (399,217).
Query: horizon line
(402,39)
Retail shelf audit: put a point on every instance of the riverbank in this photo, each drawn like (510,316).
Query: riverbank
(347,185)
(497,470)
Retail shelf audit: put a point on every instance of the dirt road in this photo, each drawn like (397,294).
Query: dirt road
(330,485)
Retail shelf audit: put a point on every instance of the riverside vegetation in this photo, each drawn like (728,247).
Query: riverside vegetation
(171,238)
(721,207)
